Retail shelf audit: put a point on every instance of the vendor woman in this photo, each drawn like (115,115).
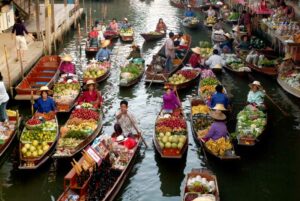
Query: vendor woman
(256,95)
(287,64)
(218,129)
(91,95)
(67,66)
(135,52)
(45,104)
(170,101)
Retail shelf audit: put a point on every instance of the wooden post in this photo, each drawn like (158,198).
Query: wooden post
(47,26)
(29,5)
(86,23)
(79,39)
(53,28)
(21,64)
(91,19)
(37,18)
(8,71)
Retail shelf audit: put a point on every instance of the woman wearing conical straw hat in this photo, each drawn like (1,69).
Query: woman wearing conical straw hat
(67,66)
(104,53)
(91,95)
(256,95)
(218,129)
(195,59)
(45,104)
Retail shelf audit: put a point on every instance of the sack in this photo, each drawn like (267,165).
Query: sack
(130,143)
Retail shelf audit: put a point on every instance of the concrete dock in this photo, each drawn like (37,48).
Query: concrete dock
(65,17)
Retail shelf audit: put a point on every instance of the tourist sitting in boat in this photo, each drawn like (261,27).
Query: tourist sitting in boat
(219,97)
(67,67)
(227,45)
(91,95)
(126,120)
(215,60)
(217,129)
(256,95)
(125,24)
(244,44)
(210,12)
(195,59)
(189,12)
(3,101)
(170,100)
(93,37)
(104,53)
(135,52)
(113,25)
(287,64)
(45,104)
(161,26)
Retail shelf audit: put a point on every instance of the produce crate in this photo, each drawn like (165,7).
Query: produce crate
(63,107)
(246,141)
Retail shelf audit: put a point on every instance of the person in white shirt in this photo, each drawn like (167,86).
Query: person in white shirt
(126,120)
(215,60)
(170,51)
(3,101)
(211,12)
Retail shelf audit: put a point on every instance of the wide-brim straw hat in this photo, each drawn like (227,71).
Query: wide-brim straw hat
(255,83)
(228,35)
(196,50)
(105,43)
(125,19)
(287,56)
(219,107)
(67,57)
(217,115)
(44,88)
(89,82)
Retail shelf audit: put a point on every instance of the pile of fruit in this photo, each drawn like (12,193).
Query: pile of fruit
(234,62)
(292,78)
(207,87)
(201,119)
(205,49)
(234,16)
(95,70)
(35,142)
(81,124)
(11,113)
(211,20)
(130,72)
(66,92)
(171,132)
(126,32)
(182,76)
(200,185)
(251,122)
(219,147)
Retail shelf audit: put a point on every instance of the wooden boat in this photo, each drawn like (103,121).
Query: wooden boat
(230,154)
(152,36)
(203,173)
(11,133)
(44,73)
(209,26)
(152,76)
(291,90)
(187,84)
(181,5)
(91,51)
(237,72)
(63,96)
(102,77)
(32,163)
(70,181)
(170,153)
(65,151)
(135,80)
(191,24)
(111,35)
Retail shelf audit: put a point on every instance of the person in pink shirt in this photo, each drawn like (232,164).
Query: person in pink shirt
(67,66)
(113,25)
(171,101)
(91,95)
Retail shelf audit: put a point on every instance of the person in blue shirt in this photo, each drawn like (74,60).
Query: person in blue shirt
(104,53)
(45,104)
(125,24)
(189,12)
(219,97)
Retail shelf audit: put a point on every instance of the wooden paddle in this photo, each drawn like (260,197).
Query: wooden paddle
(138,131)
(31,100)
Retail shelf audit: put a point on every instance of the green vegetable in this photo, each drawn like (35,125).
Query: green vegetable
(77,134)
(209,81)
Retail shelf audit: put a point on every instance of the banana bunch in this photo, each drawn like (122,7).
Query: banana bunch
(11,113)
(200,109)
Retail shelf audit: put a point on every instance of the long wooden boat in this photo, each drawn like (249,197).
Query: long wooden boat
(181,5)
(33,162)
(291,90)
(71,188)
(91,51)
(209,26)
(201,173)
(205,119)
(65,93)
(250,136)
(186,84)
(237,72)
(101,78)
(44,73)
(111,35)
(170,153)
(152,36)
(10,134)
(152,76)
(135,80)
(191,24)
(64,150)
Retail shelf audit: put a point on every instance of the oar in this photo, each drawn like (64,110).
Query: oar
(138,131)
(31,100)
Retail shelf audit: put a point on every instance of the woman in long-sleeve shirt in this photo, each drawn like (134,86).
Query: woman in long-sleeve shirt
(218,129)
(171,101)
(91,95)
(45,104)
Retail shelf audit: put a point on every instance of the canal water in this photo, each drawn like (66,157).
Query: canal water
(268,172)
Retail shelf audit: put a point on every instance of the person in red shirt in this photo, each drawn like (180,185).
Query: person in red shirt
(195,59)
(93,37)
(91,95)
(245,20)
